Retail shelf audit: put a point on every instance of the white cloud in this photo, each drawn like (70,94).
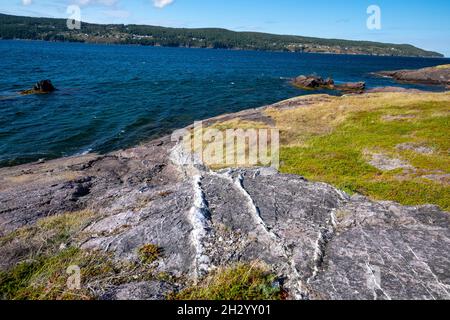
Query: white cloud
(162,3)
(27,2)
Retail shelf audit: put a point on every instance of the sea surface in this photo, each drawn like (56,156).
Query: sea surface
(113,97)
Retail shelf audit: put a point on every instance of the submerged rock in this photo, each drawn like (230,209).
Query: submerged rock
(41,87)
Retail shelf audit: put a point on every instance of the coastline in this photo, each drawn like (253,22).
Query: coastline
(250,114)
(228,49)
(111,207)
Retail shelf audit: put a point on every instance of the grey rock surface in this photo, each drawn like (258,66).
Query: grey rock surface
(152,290)
(323,243)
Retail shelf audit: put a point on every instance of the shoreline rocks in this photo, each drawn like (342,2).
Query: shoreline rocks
(439,75)
(323,243)
(313,82)
(351,87)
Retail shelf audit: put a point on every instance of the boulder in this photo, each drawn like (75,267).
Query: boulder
(43,86)
(313,82)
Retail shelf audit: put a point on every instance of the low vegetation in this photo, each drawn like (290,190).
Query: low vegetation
(47,236)
(444,66)
(332,140)
(340,140)
(238,282)
(36,261)
(45,278)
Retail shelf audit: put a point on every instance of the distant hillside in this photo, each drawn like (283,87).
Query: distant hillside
(15,27)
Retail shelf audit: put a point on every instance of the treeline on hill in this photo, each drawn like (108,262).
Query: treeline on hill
(15,27)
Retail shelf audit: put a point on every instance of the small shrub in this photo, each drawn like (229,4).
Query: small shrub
(149,253)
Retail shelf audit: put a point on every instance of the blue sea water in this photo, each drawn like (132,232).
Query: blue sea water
(112,97)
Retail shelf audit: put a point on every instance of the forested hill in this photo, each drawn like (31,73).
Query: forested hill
(15,27)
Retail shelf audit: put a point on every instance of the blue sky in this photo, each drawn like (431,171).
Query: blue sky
(422,23)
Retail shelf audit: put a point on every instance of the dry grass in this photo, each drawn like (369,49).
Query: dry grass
(40,255)
(209,144)
(41,178)
(444,66)
(326,142)
(47,235)
(237,283)
(321,118)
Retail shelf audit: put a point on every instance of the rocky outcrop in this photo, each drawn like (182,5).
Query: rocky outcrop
(439,75)
(392,89)
(320,241)
(351,87)
(315,83)
(41,87)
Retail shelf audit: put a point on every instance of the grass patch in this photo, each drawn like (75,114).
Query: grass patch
(239,282)
(228,143)
(45,278)
(444,66)
(328,142)
(38,258)
(47,235)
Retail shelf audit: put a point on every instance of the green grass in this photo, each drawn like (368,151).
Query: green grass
(238,283)
(339,157)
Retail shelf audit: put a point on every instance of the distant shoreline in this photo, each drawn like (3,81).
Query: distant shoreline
(53,29)
(225,49)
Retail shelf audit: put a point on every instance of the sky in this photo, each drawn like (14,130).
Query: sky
(425,24)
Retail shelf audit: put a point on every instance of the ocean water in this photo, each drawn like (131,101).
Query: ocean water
(113,97)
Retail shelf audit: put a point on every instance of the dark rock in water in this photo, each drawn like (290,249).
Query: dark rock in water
(43,86)
(315,82)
